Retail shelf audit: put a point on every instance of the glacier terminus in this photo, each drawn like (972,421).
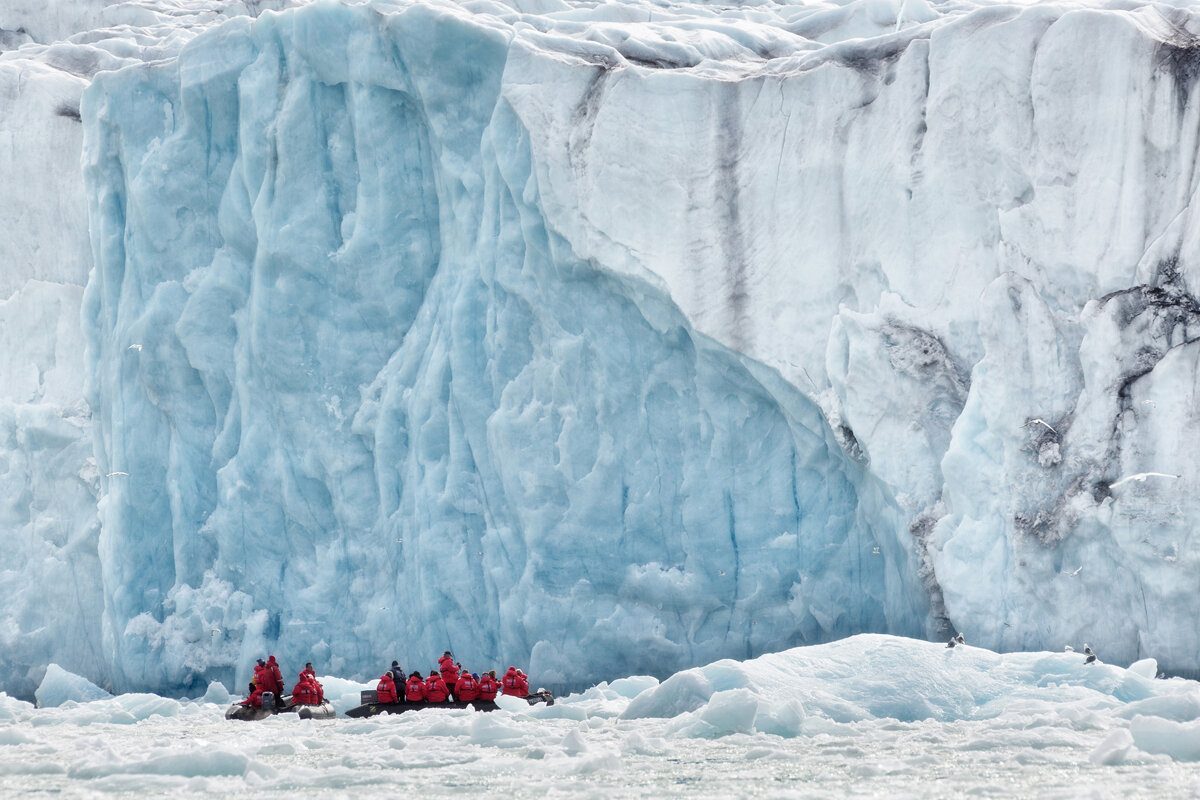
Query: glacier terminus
(604,338)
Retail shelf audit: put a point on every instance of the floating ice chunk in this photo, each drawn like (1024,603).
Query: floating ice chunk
(192,763)
(1146,668)
(514,704)
(573,743)
(12,709)
(12,736)
(1113,749)
(144,706)
(632,686)
(490,731)
(786,719)
(1179,740)
(60,686)
(682,692)
(217,693)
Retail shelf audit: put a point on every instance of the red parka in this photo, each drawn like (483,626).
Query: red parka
(467,688)
(488,687)
(522,685)
(435,689)
(448,669)
(306,692)
(511,682)
(414,690)
(255,698)
(276,675)
(386,690)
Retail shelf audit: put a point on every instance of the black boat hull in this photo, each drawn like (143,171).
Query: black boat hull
(374,709)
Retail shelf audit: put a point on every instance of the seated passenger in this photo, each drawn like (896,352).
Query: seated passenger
(260,674)
(511,683)
(255,698)
(522,684)
(435,689)
(386,690)
(488,686)
(414,690)
(306,692)
(308,670)
(467,688)
(449,670)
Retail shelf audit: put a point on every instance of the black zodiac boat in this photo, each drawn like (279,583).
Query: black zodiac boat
(284,705)
(370,705)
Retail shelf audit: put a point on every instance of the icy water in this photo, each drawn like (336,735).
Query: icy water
(871,716)
(456,754)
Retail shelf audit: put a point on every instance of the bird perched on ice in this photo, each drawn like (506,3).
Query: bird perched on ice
(1140,478)
(956,640)
(1091,657)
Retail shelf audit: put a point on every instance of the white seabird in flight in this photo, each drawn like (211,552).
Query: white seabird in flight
(1140,478)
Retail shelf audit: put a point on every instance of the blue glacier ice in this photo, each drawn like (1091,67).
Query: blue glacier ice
(358,400)
(599,338)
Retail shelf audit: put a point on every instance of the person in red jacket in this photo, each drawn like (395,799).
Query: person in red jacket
(449,671)
(510,685)
(488,685)
(436,690)
(467,688)
(522,684)
(386,690)
(260,675)
(306,692)
(255,698)
(276,675)
(414,690)
(308,670)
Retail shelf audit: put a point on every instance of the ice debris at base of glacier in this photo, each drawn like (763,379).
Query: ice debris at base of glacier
(846,688)
(500,314)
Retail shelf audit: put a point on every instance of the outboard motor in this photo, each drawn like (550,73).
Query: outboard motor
(366,696)
(268,701)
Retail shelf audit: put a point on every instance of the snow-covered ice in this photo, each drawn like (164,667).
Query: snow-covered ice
(602,338)
(867,716)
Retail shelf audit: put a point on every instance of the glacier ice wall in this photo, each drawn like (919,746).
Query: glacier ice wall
(356,398)
(360,301)
(970,234)
(49,485)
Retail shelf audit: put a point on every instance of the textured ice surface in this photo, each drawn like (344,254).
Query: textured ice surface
(499,326)
(871,716)
(60,686)
(356,388)
(49,485)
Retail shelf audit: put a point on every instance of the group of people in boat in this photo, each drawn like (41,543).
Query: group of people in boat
(448,682)
(268,677)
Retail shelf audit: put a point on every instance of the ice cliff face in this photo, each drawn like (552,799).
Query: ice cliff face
(349,374)
(622,338)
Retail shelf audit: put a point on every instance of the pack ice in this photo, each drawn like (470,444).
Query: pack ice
(618,338)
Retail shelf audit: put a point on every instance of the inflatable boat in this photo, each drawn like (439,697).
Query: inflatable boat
(370,706)
(283,705)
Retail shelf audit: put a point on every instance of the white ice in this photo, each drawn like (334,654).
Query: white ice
(602,338)
(870,716)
